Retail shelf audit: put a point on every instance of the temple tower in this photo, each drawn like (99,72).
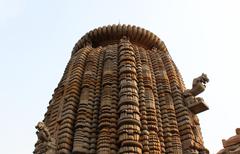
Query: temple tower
(122,93)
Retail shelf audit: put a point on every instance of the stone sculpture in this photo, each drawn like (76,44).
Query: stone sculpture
(198,86)
(44,140)
(231,145)
(196,104)
(122,93)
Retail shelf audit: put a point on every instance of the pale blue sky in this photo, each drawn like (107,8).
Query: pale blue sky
(36,39)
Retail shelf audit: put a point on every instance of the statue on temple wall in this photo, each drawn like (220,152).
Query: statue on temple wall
(196,104)
(45,139)
(198,86)
(42,133)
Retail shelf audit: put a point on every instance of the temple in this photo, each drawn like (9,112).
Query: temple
(122,93)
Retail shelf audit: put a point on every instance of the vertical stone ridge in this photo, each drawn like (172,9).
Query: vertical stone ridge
(128,105)
(154,142)
(155,77)
(114,109)
(170,128)
(193,141)
(183,119)
(55,104)
(53,113)
(106,142)
(144,137)
(66,122)
(83,124)
(63,87)
(93,141)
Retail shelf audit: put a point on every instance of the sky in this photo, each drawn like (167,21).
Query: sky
(37,37)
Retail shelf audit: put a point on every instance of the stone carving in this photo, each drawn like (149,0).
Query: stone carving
(196,104)
(43,133)
(122,93)
(48,145)
(198,86)
(231,145)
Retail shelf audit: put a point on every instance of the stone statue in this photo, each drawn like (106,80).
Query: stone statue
(44,138)
(198,86)
(42,133)
(196,104)
(231,145)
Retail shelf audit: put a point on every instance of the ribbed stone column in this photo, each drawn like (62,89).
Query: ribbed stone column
(96,103)
(83,124)
(106,142)
(65,137)
(154,142)
(144,138)
(129,115)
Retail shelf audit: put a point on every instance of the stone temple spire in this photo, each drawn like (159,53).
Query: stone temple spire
(122,93)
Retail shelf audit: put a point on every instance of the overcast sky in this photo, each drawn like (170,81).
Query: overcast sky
(36,39)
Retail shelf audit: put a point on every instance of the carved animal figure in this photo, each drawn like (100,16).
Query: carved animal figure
(203,79)
(231,145)
(198,86)
(42,133)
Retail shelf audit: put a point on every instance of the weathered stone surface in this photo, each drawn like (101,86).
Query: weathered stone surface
(46,144)
(196,104)
(231,145)
(122,93)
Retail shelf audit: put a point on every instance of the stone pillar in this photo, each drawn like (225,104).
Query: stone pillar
(69,109)
(83,124)
(129,120)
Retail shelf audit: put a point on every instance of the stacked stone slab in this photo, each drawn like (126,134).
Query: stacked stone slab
(122,93)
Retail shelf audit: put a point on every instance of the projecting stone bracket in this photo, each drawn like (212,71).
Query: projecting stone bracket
(196,104)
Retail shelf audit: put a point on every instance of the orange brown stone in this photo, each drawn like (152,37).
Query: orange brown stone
(122,93)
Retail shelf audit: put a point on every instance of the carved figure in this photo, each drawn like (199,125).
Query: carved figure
(196,104)
(232,140)
(42,133)
(198,86)
(46,144)
(231,145)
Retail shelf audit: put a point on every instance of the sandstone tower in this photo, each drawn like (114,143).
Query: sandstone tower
(122,93)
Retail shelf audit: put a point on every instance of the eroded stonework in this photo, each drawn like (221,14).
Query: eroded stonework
(122,93)
(231,145)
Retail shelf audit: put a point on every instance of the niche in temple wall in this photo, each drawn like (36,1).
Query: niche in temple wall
(108,67)
(149,97)
(89,66)
(146,74)
(84,95)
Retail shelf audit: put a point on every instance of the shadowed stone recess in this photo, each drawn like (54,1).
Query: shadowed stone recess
(122,93)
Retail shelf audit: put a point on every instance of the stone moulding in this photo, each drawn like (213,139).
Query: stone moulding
(113,33)
(121,93)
